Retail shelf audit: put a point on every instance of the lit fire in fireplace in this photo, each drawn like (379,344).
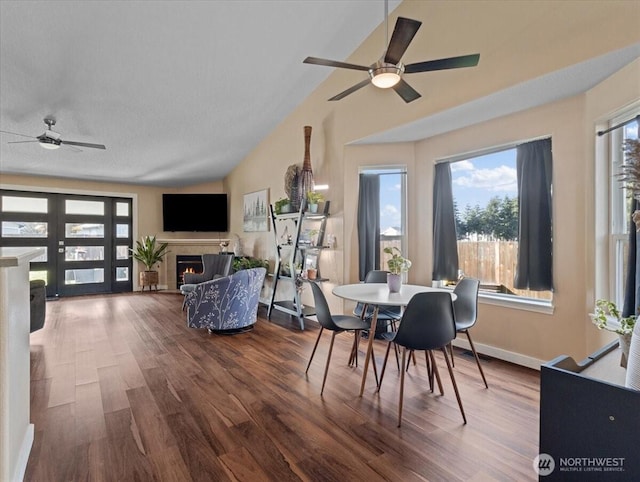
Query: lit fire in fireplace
(187,264)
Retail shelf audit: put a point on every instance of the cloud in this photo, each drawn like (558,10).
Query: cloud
(394,188)
(462,166)
(390,210)
(498,179)
(390,215)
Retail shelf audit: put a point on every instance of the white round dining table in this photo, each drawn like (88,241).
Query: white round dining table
(376,295)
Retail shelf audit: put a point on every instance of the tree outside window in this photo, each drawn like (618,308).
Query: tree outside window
(485,196)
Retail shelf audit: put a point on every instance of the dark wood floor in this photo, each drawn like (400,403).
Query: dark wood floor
(121,390)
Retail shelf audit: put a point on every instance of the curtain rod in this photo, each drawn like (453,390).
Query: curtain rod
(635,119)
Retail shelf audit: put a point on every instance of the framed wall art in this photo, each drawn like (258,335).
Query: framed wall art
(255,212)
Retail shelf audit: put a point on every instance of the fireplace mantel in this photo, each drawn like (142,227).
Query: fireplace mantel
(196,241)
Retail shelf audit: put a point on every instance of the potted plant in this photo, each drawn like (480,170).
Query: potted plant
(397,264)
(313,198)
(282,206)
(248,262)
(608,317)
(149,252)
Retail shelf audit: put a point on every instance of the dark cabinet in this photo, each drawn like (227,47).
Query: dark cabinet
(589,422)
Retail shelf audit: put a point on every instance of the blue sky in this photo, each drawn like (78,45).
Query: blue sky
(390,201)
(477,180)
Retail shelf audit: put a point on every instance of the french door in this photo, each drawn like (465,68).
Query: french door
(86,239)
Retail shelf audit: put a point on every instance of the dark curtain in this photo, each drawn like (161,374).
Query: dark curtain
(369,223)
(445,240)
(534,163)
(632,283)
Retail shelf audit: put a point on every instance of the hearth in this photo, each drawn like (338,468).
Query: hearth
(187,263)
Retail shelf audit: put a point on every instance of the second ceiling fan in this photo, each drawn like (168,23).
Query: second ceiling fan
(387,72)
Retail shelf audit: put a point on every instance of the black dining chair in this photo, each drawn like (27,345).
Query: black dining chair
(427,324)
(465,308)
(336,324)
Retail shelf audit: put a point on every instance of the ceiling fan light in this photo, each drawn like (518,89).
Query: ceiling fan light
(385,76)
(49,144)
(385,80)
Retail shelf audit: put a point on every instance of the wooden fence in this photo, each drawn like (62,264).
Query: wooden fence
(492,262)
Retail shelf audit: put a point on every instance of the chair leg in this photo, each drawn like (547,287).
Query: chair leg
(429,370)
(375,369)
(436,372)
(404,356)
(397,352)
(412,356)
(475,354)
(453,381)
(326,368)
(394,327)
(353,357)
(453,363)
(313,352)
(384,364)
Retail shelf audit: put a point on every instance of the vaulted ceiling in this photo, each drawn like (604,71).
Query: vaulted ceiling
(182,91)
(174,89)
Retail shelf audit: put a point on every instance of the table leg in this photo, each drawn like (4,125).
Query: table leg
(369,355)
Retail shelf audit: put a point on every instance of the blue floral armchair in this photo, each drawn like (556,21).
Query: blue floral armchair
(228,303)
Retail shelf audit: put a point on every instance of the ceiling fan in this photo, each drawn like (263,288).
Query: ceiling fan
(387,72)
(52,140)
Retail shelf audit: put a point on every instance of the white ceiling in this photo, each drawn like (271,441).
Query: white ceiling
(179,92)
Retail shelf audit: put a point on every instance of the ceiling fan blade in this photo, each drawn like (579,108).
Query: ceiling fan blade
(404,90)
(16,134)
(351,90)
(83,144)
(443,64)
(402,36)
(20,142)
(334,63)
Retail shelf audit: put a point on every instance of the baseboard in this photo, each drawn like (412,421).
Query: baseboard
(23,455)
(499,353)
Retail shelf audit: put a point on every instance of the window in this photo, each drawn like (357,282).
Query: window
(392,211)
(620,206)
(485,196)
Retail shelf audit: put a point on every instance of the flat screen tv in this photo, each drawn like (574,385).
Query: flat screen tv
(195,212)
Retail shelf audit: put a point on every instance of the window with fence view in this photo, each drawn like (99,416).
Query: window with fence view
(485,194)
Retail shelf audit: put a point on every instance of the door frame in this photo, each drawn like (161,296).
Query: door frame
(52,245)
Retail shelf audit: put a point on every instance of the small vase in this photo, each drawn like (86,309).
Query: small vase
(394,282)
(625,345)
(313,208)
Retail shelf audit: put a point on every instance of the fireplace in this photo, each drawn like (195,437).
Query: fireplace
(187,263)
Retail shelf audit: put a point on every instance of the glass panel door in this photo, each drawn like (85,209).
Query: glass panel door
(83,249)
(86,239)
